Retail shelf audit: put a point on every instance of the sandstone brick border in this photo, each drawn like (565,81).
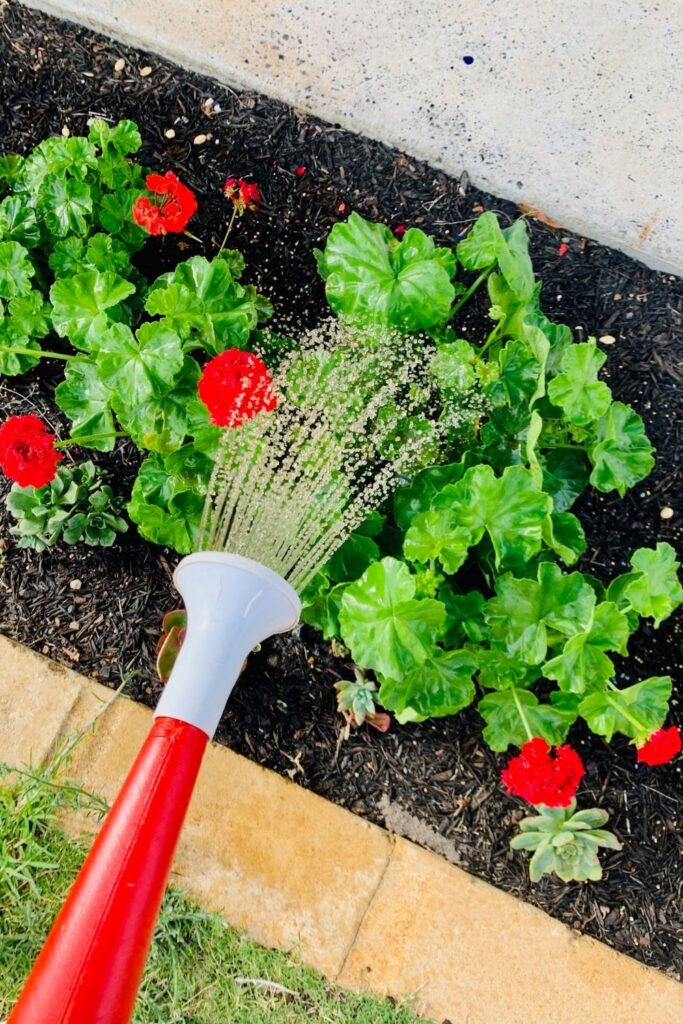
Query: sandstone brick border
(369,910)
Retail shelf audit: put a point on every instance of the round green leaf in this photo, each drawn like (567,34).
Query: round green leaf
(386,628)
(441,686)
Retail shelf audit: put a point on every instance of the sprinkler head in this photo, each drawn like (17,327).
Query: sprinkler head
(233,603)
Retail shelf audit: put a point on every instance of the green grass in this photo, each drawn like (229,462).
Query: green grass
(200,971)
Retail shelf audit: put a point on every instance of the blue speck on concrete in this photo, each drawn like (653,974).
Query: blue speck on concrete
(468,60)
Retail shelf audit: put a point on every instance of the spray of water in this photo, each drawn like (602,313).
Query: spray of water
(289,486)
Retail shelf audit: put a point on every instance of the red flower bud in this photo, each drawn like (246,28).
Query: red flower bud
(234,386)
(244,195)
(400,229)
(662,746)
(27,452)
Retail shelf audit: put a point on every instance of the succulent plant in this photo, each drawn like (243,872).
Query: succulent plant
(565,842)
(356,702)
(76,506)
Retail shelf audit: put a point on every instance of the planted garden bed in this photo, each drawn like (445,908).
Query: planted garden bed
(100,609)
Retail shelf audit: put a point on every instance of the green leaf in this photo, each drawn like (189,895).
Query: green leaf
(106,253)
(352,559)
(622,454)
(18,222)
(114,212)
(371,277)
(436,535)
(511,509)
(583,665)
(115,143)
(657,590)
(161,421)
(56,157)
(65,205)
(441,686)
(418,495)
(564,534)
(504,725)
(202,302)
(565,475)
(84,305)
(499,670)
(12,363)
(28,316)
(16,270)
(138,368)
(520,371)
(382,623)
(86,401)
(582,397)
(321,604)
(636,711)
(514,262)
(453,366)
(168,498)
(487,245)
(10,169)
(480,248)
(464,616)
(524,610)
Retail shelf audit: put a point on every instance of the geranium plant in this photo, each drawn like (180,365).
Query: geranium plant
(467,592)
(75,212)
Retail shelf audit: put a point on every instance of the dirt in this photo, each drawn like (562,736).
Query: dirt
(435,782)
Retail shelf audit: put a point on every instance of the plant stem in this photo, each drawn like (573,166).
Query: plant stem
(232,221)
(493,336)
(520,711)
(36,352)
(90,437)
(570,447)
(470,291)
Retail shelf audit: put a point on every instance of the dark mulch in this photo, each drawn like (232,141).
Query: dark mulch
(435,781)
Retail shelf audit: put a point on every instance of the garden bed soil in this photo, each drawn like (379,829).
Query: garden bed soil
(99,610)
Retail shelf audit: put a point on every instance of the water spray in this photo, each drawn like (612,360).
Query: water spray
(288,488)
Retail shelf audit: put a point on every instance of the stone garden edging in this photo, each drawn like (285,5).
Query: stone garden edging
(372,911)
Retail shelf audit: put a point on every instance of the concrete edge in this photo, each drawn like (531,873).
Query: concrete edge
(188,56)
(368,910)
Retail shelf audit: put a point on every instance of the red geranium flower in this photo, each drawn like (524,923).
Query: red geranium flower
(244,195)
(661,747)
(540,778)
(172,209)
(27,452)
(234,386)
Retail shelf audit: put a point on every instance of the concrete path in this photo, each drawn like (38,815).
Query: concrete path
(369,910)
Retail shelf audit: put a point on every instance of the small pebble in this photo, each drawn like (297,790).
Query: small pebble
(74,626)
(144,72)
(199,140)
(120,64)
(170,133)
(617,296)
(65,132)
(666,512)
(607,339)
(75,585)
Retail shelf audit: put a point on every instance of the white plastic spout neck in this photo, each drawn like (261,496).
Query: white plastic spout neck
(233,603)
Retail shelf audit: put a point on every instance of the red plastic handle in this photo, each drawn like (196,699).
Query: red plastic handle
(91,965)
